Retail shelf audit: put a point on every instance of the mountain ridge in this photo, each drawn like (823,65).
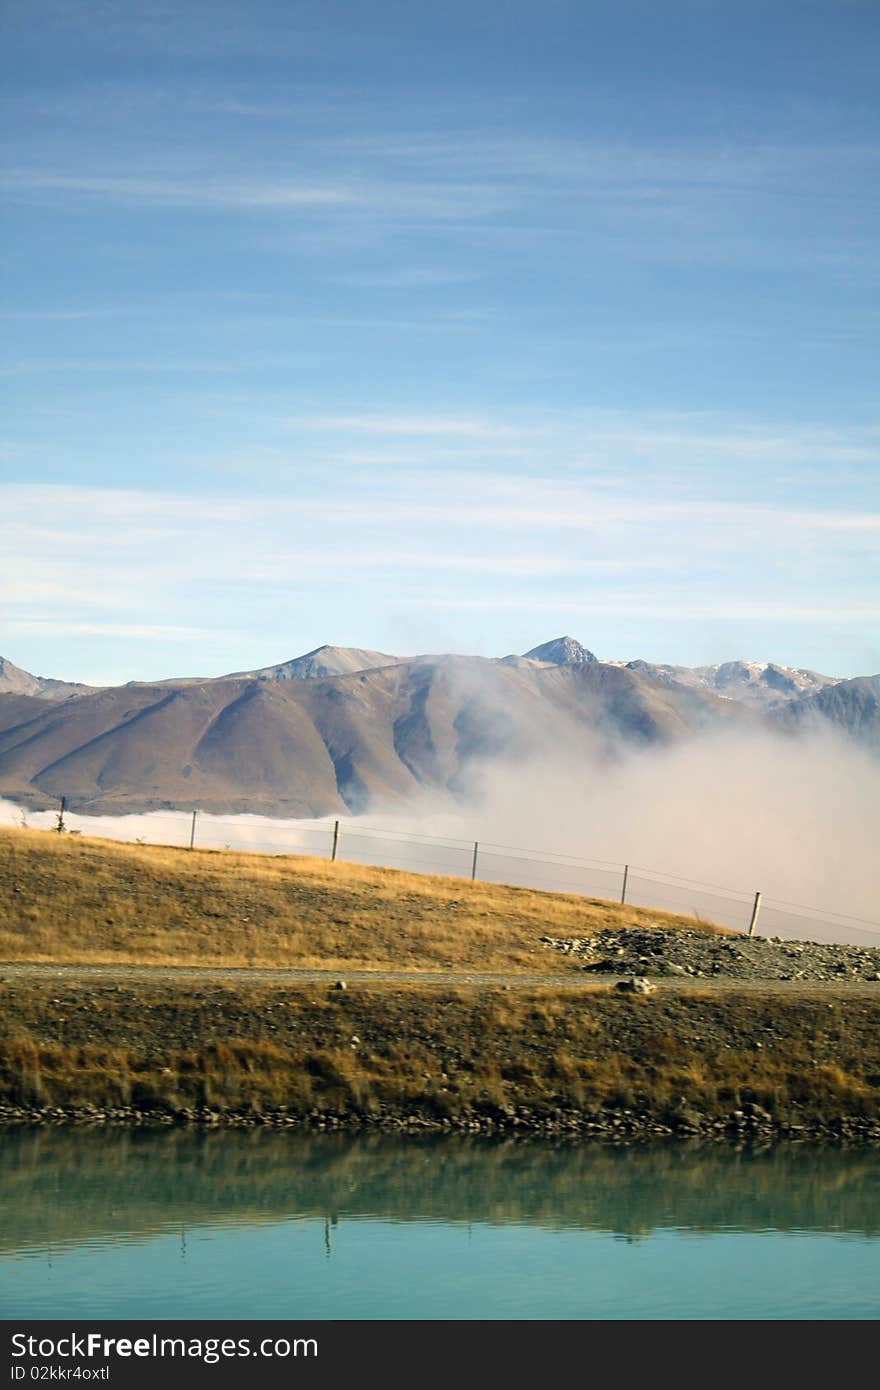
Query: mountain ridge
(737,678)
(15,681)
(278,741)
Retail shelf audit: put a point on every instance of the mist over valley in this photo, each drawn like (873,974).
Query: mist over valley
(741,775)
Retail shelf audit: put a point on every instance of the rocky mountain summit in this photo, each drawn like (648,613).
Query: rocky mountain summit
(15,681)
(323,661)
(752,682)
(562,651)
(341,729)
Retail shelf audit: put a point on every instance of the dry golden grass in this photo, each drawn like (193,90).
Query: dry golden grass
(436,1052)
(81,900)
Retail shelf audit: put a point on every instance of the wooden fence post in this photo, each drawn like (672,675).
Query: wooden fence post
(623,889)
(474,864)
(756,907)
(335,841)
(192,830)
(60,826)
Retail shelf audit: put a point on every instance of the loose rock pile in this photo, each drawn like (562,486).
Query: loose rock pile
(638,951)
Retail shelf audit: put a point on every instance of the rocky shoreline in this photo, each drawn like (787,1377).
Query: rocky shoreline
(750,1125)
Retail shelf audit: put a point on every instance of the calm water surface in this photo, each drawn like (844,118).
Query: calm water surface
(132,1224)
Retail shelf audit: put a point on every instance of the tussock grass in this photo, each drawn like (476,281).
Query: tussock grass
(437,1053)
(81,900)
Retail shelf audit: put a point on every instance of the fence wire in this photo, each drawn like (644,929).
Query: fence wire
(486,862)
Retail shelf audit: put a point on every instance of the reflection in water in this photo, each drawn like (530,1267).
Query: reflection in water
(134,1212)
(63,1185)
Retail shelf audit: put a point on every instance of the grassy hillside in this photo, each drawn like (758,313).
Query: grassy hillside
(65,898)
(538,1057)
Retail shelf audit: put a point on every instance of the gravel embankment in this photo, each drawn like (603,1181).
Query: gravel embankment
(700,954)
(718,1057)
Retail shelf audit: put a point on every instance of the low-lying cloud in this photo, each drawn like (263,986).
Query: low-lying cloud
(796,819)
(702,825)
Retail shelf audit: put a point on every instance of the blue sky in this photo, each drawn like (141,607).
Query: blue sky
(439,327)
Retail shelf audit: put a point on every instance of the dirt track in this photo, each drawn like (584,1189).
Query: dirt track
(150,974)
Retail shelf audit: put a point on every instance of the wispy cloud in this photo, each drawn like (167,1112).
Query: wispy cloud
(405,279)
(357,330)
(501,193)
(797,445)
(87,551)
(194,191)
(553,453)
(648,165)
(592,496)
(683,609)
(407,203)
(411,425)
(148,632)
(164,366)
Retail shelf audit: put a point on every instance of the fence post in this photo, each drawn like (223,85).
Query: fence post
(335,841)
(623,889)
(755,910)
(60,826)
(474,864)
(192,830)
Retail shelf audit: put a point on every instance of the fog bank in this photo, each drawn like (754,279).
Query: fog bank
(797,819)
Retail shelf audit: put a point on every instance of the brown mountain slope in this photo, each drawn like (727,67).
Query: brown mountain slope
(222,745)
(320,746)
(850,706)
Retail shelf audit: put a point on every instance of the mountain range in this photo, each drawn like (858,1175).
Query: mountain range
(342,729)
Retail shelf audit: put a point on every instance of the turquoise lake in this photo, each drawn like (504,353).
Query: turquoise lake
(183,1224)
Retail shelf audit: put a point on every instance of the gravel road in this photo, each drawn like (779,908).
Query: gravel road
(587,980)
